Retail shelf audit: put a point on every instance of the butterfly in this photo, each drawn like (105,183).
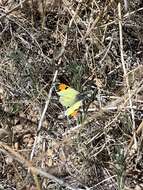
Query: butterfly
(71,99)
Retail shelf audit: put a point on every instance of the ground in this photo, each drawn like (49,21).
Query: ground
(90,46)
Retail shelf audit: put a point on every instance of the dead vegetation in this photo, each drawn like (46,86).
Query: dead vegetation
(81,43)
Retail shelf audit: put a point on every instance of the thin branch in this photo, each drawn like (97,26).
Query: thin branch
(103,181)
(43,114)
(125,72)
(13,9)
(36,171)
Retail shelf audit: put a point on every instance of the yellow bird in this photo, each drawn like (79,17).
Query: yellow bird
(70,98)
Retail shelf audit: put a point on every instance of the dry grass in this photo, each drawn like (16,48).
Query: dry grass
(83,44)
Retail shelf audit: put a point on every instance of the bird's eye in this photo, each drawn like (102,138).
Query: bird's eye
(66,87)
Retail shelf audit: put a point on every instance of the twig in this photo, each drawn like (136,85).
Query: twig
(33,38)
(126,5)
(107,50)
(125,72)
(43,114)
(75,13)
(101,14)
(14,9)
(62,50)
(103,181)
(115,20)
(36,171)
(139,129)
